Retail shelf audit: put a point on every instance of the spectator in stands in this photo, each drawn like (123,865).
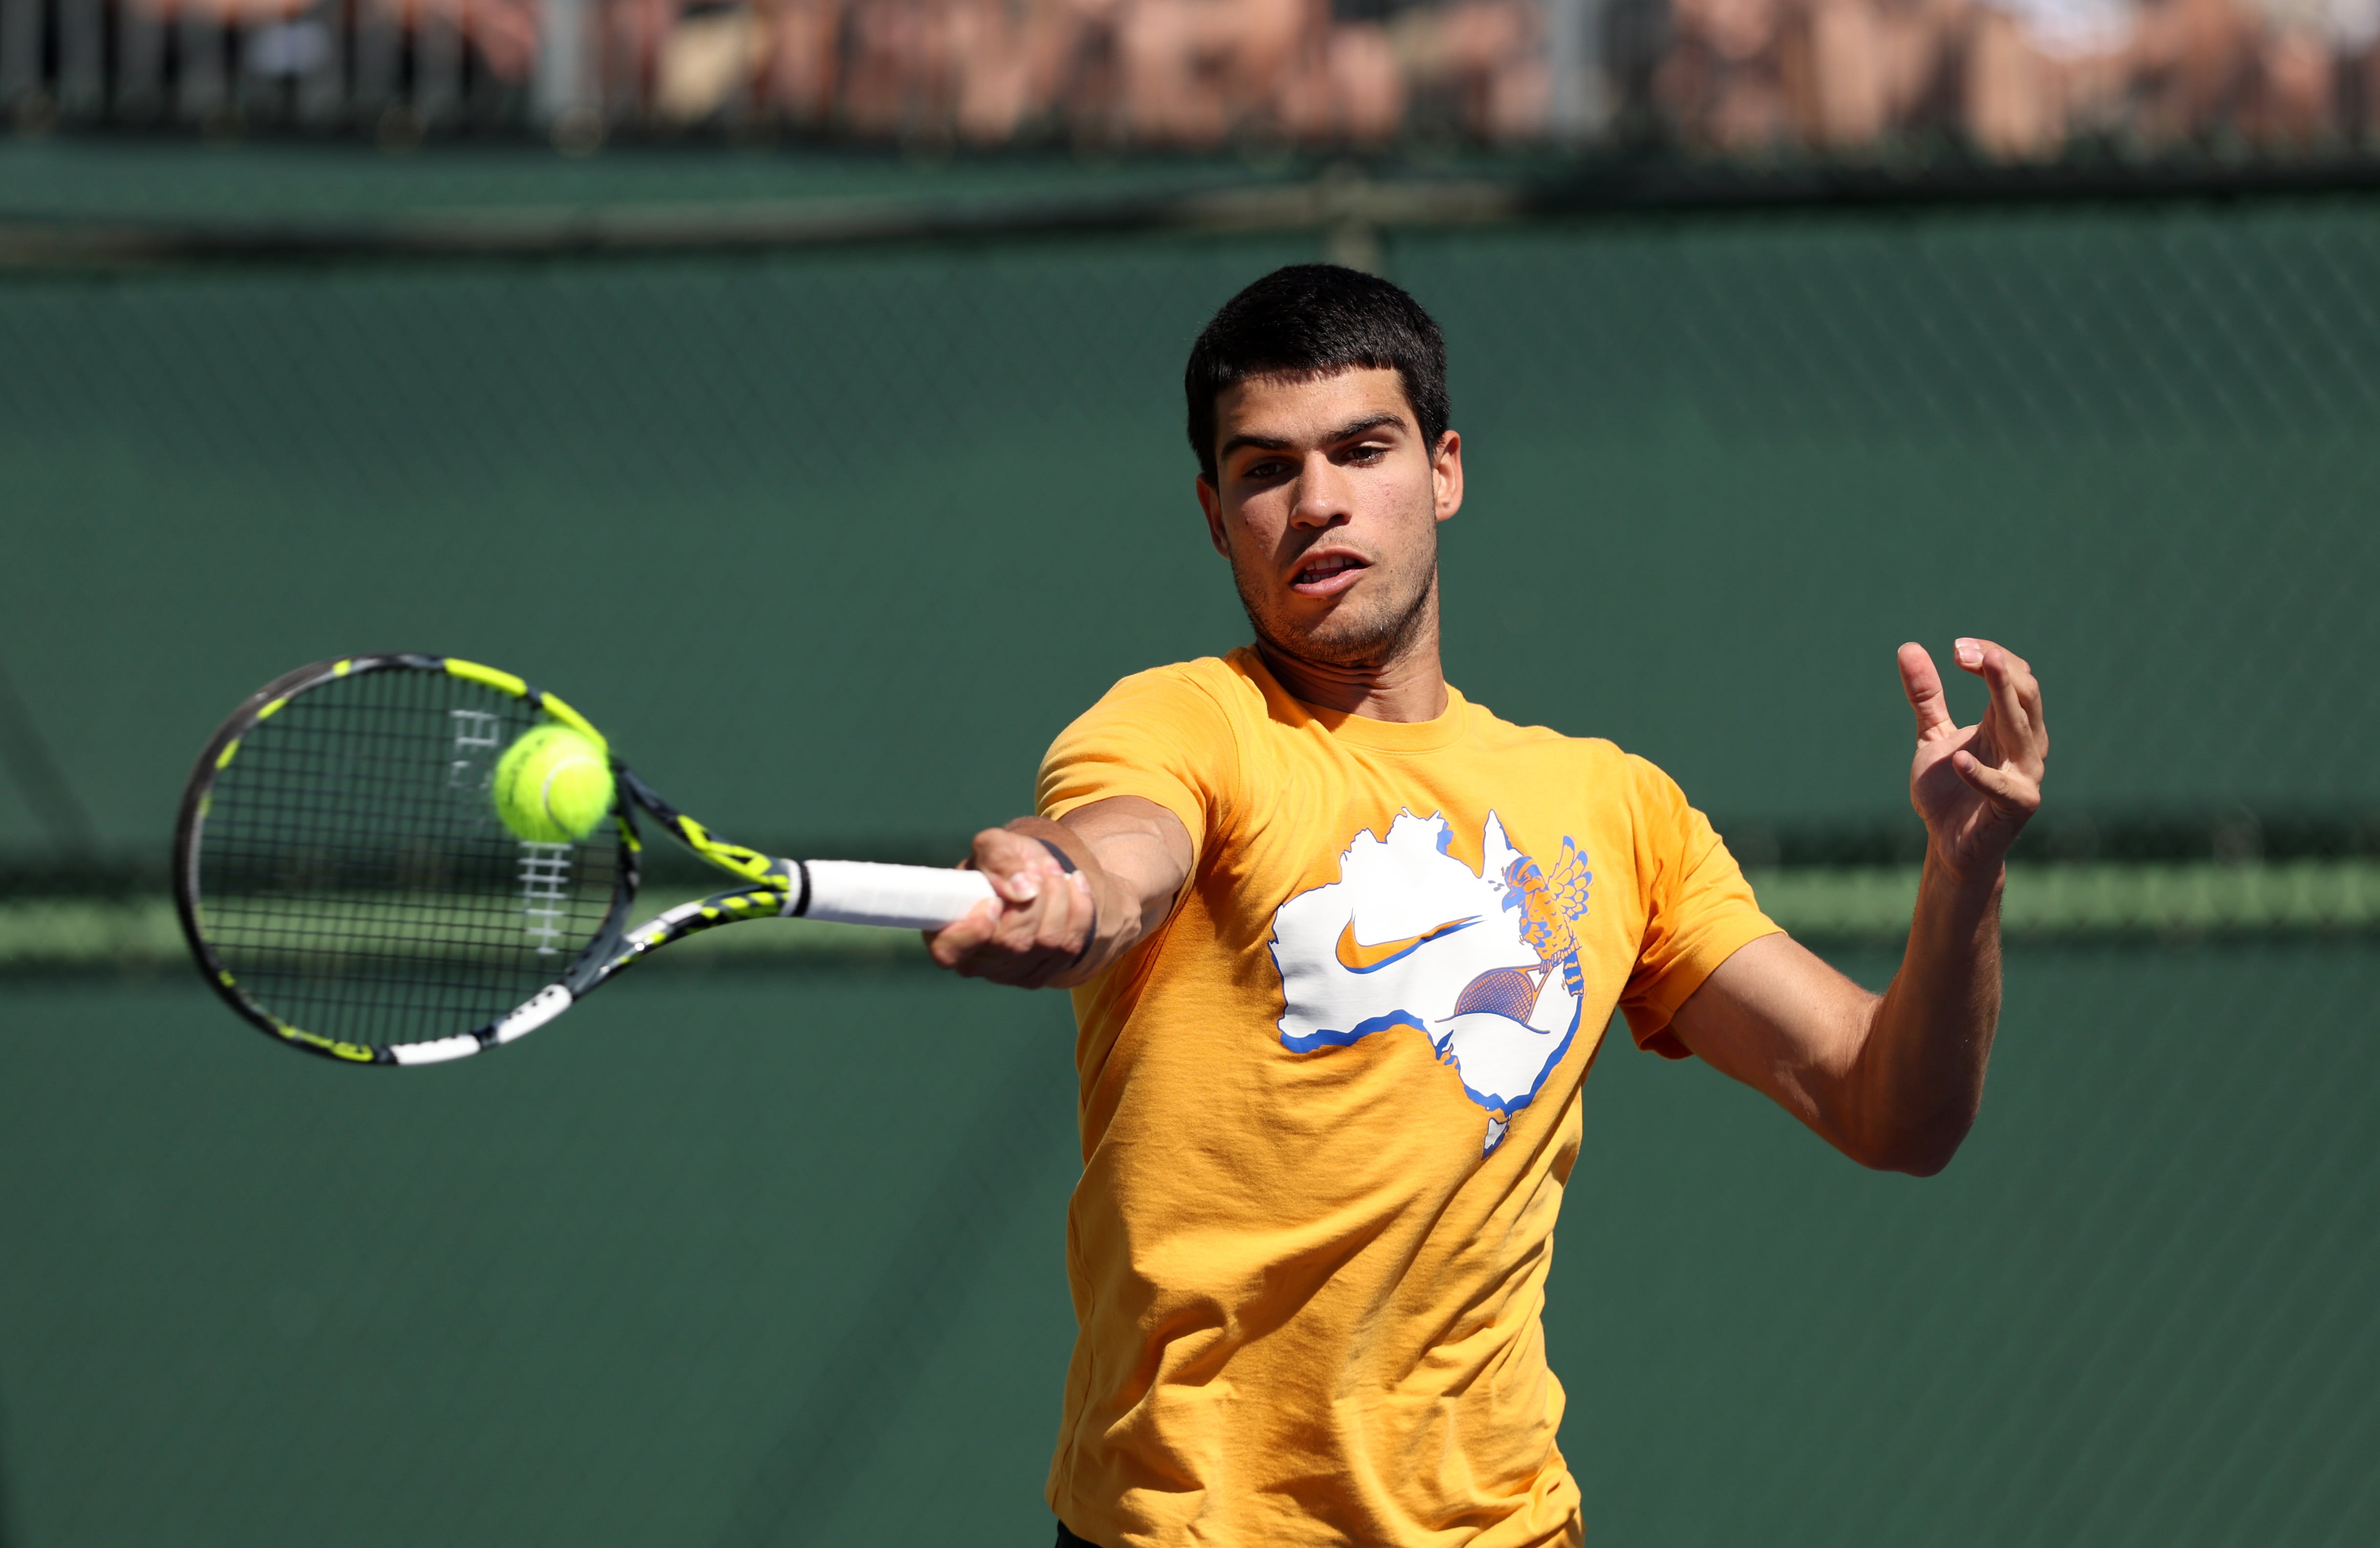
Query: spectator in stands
(1343,83)
(1721,83)
(2038,71)
(1484,61)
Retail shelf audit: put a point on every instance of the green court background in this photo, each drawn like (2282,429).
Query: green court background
(761,1259)
(832,544)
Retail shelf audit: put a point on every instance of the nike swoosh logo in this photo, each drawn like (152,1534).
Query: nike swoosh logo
(1358,958)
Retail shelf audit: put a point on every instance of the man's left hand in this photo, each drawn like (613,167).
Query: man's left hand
(1975,786)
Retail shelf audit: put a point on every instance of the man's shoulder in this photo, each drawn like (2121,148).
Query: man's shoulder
(1614,773)
(1170,735)
(1504,736)
(1203,686)
(1208,674)
(1183,706)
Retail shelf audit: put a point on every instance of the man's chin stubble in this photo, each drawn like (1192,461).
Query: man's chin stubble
(1361,646)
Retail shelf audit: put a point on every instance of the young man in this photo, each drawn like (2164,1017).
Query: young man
(1342,944)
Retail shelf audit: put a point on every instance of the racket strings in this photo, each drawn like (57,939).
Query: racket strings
(353,876)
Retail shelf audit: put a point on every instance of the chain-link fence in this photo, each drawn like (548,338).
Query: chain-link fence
(2130,441)
(831,538)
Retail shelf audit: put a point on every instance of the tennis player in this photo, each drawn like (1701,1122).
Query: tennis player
(1342,945)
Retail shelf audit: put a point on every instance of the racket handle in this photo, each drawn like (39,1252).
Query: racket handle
(897,897)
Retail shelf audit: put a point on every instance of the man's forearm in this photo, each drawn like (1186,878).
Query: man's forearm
(1921,1066)
(1895,1081)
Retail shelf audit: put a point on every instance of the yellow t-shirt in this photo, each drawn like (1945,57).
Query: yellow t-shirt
(1329,1108)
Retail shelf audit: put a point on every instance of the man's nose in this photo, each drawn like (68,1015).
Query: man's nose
(1322,494)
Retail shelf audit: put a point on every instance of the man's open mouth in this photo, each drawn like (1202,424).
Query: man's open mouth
(1327,575)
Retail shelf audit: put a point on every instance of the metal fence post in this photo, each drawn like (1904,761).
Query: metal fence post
(564,98)
(82,90)
(322,90)
(199,91)
(20,52)
(139,87)
(1580,97)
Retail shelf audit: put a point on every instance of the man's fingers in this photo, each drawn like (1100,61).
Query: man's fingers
(1060,931)
(2009,790)
(2028,696)
(2016,695)
(2017,724)
(1060,926)
(1035,926)
(1032,931)
(1977,655)
(1017,867)
(954,942)
(1924,686)
(2020,728)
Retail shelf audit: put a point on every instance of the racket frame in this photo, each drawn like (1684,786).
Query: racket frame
(771,887)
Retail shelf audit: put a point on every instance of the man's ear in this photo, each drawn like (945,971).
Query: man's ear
(1446,473)
(1212,503)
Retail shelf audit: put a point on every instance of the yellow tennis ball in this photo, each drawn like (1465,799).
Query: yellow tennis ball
(553,785)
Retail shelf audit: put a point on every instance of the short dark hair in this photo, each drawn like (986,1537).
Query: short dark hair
(1310,321)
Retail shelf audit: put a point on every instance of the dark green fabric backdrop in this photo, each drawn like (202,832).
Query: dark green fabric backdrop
(832,544)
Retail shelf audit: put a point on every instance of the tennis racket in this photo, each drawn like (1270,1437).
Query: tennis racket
(346,885)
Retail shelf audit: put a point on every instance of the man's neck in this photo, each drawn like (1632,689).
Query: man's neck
(1409,687)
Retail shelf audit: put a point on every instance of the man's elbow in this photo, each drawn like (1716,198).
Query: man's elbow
(1908,1143)
(1919,1150)
(1928,1161)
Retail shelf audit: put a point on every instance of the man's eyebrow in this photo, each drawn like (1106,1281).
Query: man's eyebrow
(1262,443)
(1347,432)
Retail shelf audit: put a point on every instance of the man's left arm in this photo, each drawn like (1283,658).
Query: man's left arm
(1894,1080)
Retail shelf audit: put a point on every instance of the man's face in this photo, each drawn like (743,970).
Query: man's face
(1327,503)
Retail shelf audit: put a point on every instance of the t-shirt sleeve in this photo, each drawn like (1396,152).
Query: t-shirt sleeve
(1698,908)
(1155,734)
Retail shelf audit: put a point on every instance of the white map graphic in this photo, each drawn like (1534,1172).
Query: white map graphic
(1481,962)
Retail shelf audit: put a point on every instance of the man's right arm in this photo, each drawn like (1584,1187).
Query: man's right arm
(1051,930)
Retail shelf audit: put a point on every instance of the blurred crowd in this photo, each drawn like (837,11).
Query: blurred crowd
(1142,72)
(2013,79)
(1180,73)
(2018,78)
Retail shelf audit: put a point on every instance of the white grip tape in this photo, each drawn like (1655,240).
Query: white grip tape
(896,897)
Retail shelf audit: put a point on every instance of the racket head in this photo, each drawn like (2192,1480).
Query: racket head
(344,879)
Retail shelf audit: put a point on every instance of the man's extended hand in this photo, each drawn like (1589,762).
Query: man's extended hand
(1053,928)
(1037,928)
(1976,785)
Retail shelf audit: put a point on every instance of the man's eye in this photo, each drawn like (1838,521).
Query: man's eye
(1368,453)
